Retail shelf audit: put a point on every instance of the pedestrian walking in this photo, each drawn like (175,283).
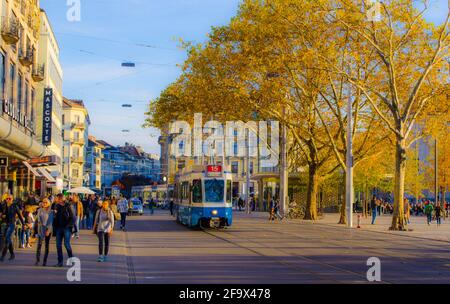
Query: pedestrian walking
(429,212)
(9,212)
(151,206)
(92,209)
(407,207)
(44,224)
(103,228)
(373,207)
(438,214)
(277,210)
(63,222)
(272,210)
(171,207)
(122,206)
(77,210)
(240,203)
(27,227)
(84,221)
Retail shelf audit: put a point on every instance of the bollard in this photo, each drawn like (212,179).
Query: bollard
(359,221)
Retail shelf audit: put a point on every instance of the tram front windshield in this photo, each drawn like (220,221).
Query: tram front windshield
(214,190)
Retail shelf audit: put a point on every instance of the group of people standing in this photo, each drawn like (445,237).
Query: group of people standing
(432,211)
(61,217)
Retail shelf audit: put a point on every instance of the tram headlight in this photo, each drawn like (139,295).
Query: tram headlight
(214,212)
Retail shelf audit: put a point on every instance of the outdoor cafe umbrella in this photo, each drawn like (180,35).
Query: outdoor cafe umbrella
(81,190)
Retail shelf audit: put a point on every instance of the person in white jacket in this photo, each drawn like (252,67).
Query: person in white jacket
(103,228)
(122,207)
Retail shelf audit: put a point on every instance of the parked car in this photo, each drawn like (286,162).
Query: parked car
(136,207)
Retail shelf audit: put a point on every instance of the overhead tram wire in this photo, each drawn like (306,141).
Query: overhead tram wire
(142,45)
(111,79)
(121,60)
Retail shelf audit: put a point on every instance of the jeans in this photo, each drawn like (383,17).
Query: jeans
(77,225)
(429,218)
(374,215)
(123,219)
(21,235)
(84,222)
(63,233)
(46,239)
(8,240)
(90,220)
(25,236)
(103,243)
(438,220)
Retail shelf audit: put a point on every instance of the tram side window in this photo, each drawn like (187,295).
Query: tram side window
(229,191)
(185,190)
(214,190)
(197,191)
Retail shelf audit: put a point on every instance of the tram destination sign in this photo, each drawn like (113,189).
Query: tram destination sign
(214,171)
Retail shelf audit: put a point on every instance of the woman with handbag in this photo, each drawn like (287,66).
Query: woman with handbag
(103,228)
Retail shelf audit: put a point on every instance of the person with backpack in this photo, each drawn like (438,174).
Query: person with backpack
(103,228)
(63,222)
(44,220)
(8,213)
(429,212)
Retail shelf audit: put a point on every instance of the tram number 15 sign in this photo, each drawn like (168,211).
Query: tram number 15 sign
(214,171)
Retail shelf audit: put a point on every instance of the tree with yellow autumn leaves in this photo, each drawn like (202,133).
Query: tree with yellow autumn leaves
(300,62)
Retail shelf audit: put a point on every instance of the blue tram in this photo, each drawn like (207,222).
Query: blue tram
(203,198)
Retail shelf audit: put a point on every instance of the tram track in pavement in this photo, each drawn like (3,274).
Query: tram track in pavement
(371,250)
(290,264)
(441,267)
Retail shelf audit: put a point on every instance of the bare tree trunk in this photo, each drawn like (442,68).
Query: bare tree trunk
(311,198)
(343,217)
(398,219)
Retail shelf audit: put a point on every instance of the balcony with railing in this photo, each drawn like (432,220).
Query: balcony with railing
(79,126)
(77,141)
(38,73)
(10,30)
(26,57)
(77,159)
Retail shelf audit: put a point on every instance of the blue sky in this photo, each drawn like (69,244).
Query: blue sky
(92,67)
(109,33)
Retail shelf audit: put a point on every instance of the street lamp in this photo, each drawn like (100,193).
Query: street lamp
(349,163)
(284,177)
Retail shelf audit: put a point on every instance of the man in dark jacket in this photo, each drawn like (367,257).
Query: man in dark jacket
(374,207)
(63,222)
(8,213)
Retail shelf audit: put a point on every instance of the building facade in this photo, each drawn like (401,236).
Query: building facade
(50,71)
(93,166)
(76,124)
(129,159)
(20,31)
